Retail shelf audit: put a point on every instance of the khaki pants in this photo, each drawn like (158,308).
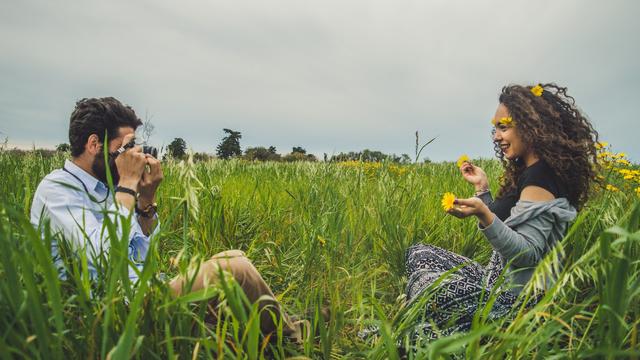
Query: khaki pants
(247,276)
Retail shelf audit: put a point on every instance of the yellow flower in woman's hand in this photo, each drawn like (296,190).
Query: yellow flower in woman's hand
(447,201)
(462,159)
(537,90)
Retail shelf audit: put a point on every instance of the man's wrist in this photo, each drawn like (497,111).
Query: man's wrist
(144,201)
(147,211)
(129,184)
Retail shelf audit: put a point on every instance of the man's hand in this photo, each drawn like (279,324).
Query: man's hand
(150,181)
(130,164)
(463,208)
(474,175)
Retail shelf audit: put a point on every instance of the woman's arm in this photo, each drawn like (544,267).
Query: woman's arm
(525,245)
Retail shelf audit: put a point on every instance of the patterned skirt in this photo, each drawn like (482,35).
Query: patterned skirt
(454,301)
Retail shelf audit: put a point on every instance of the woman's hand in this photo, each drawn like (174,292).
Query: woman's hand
(463,208)
(474,175)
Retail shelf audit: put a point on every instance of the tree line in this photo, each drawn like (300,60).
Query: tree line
(229,147)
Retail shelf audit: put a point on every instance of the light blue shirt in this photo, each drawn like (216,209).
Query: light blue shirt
(79,218)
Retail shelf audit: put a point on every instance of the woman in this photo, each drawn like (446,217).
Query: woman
(547,148)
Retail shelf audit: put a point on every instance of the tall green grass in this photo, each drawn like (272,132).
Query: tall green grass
(323,236)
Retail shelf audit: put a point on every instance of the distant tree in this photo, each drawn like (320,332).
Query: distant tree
(298,156)
(230,145)
(371,156)
(298,149)
(64,147)
(202,156)
(177,149)
(261,154)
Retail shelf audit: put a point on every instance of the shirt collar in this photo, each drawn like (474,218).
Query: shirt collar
(98,187)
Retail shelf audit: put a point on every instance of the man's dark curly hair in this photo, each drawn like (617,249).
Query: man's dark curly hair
(98,116)
(557,132)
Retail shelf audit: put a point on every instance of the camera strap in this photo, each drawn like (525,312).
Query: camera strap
(85,187)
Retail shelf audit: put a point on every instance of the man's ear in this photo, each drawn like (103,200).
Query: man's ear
(93,145)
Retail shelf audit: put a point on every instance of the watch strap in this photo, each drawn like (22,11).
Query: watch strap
(126,190)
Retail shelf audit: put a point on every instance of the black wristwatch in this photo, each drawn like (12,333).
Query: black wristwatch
(148,211)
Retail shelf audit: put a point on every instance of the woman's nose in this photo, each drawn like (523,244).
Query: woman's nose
(497,136)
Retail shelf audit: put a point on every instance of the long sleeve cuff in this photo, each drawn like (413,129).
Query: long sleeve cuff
(486,197)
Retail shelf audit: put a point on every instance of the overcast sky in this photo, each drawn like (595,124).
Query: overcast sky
(330,76)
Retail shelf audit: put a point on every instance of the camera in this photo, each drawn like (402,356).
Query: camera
(151,150)
(146,149)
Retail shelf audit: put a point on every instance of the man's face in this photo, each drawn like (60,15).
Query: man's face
(98,165)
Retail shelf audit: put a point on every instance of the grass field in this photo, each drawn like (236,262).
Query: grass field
(323,235)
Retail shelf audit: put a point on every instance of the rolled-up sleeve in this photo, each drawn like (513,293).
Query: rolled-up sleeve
(139,244)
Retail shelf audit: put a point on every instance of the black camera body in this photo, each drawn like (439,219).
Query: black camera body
(151,150)
(146,149)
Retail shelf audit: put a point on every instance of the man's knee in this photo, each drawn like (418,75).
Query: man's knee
(228,254)
(239,266)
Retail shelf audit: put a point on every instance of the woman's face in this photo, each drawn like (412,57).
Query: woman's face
(506,136)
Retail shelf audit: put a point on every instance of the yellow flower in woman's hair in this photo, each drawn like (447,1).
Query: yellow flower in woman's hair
(462,159)
(447,201)
(507,121)
(537,90)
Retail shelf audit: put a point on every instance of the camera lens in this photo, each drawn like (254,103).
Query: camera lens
(151,150)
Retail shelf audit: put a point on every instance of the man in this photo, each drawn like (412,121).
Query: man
(75,197)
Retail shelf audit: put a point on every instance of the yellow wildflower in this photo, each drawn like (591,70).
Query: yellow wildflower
(537,90)
(462,159)
(447,201)
(322,240)
(507,121)
(612,188)
(638,191)
(601,145)
(623,162)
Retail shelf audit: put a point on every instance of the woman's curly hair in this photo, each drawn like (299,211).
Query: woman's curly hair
(557,132)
